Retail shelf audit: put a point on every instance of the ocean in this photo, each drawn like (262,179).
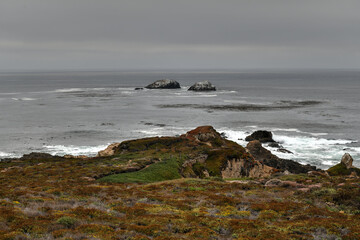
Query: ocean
(313,113)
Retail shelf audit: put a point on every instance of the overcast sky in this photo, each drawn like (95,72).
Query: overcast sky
(179,34)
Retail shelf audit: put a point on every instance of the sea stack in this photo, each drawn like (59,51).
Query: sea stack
(261,135)
(202,86)
(164,84)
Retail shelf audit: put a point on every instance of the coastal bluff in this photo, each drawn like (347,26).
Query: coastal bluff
(198,185)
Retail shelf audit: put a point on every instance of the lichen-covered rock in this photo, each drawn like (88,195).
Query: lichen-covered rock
(204,134)
(344,168)
(164,84)
(236,168)
(202,86)
(347,160)
(109,151)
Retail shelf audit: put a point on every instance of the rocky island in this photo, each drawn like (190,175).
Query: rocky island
(195,186)
(164,84)
(202,86)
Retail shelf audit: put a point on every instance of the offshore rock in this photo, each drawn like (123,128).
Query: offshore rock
(347,160)
(202,86)
(164,84)
(260,135)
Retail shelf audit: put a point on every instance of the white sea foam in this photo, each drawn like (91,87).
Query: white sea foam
(7,155)
(236,136)
(23,99)
(305,149)
(74,150)
(285,130)
(66,90)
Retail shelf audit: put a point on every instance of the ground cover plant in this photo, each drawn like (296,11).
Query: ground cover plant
(142,192)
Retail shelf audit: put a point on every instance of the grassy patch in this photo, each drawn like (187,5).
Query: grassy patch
(167,169)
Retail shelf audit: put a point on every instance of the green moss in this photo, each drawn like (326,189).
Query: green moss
(146,144)
(167,169)
(339,170)
(217,159)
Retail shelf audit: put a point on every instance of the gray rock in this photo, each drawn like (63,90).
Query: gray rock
(202,86)
(347,160)
(164,84)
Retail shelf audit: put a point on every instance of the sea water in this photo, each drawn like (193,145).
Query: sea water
(315,114)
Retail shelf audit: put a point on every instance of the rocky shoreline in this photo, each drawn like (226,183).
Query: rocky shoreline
(195,186)
(231,159)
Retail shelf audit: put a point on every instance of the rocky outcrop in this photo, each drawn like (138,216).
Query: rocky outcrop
(260,135)
(205,134)
(38,156)
(236,168)
(347,160)
(202,86)
(266,157)
(164,84)
(344,168)
(109,151)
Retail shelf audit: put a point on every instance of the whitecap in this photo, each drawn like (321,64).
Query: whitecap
(286,130)
(305,149)
(7,155)
(74,150)
(65,90)
(236,136)
(329,163)
(23,99)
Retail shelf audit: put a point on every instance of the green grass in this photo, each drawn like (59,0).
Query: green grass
(167,169)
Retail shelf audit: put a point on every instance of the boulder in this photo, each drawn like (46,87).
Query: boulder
(347,160)
(164,84)
(202,86)
(260,135)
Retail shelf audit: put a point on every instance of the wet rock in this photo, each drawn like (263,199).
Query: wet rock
(274,145)
(347,160)
(266,157)
(261,135)
(202,86)
(139,88)
(283,150)
(164,84)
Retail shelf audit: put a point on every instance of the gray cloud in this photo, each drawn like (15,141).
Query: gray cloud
(57,34)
